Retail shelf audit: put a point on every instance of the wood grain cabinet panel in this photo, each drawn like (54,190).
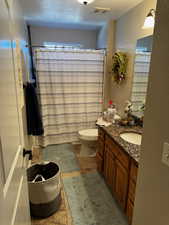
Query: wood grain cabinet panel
(121,184)
(99,161)
(101,134)
(119,171)
(133,171)
(100,147)
(129,211)
(100,151)
(123,158)
(118,152)
(132,190)
(109,168)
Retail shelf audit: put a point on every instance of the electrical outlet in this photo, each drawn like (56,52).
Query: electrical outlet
(165,156)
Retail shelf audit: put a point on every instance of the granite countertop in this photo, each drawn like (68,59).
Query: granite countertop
(132,149)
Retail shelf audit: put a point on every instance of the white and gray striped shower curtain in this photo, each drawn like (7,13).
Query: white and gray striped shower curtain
(70,87)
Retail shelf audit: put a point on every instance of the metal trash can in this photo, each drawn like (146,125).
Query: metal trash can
(44,184)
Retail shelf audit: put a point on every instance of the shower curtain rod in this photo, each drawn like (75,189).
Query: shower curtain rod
(57,47)
(40,46)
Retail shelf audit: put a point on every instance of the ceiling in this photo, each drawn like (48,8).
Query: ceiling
(69,13)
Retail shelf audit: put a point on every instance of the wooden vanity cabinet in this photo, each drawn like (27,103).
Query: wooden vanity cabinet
(99,160)
(100,151)
(119,171)
(132,189)
(129,211)
(116,170)
(121,184)
(109,167)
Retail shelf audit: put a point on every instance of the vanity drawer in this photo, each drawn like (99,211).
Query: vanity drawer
(118,152)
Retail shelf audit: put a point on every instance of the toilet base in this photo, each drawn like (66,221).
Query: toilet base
(88,148)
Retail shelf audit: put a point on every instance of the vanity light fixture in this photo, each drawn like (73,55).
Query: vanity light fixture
(85,2)
(150,19)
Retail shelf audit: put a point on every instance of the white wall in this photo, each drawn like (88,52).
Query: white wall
(87,38)
(102,37)
(128,31)
(152,196)
(106,40)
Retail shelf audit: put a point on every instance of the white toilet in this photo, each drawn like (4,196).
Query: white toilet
(88,139)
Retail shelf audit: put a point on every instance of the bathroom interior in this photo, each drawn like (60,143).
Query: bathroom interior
(77,83)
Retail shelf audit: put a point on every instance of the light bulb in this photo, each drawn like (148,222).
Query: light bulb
(85,2)
(149,20)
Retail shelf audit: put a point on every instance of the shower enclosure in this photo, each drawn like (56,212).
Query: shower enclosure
(70,88)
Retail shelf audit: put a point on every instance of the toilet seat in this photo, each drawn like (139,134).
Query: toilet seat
(89,134)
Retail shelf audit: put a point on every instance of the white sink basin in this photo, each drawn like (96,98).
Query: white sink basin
(132,137)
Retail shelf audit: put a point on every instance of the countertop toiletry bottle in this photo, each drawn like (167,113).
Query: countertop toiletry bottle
(111,111)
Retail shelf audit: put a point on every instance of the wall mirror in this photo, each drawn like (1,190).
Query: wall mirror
(141,73)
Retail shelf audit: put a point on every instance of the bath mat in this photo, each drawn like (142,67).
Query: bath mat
(90,201)
(63,154)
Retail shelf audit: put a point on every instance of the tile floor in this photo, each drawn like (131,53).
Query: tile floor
(86,199)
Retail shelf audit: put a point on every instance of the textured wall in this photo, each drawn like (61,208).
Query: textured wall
(88,38)
(128,31)
(102,37)
(106,40)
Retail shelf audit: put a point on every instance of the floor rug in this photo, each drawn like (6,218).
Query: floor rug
(91,202)
(62,154)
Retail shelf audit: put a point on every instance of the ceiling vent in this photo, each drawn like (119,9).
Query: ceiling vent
(99,10)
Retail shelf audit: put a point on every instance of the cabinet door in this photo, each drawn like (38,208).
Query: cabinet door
(129,211)
(99,161)
(109,168)
(101,133)
(134,171)
(132,190)
(100,155)
(100,147)
(121,184)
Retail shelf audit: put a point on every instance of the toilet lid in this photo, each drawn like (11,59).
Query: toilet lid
(89,132)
